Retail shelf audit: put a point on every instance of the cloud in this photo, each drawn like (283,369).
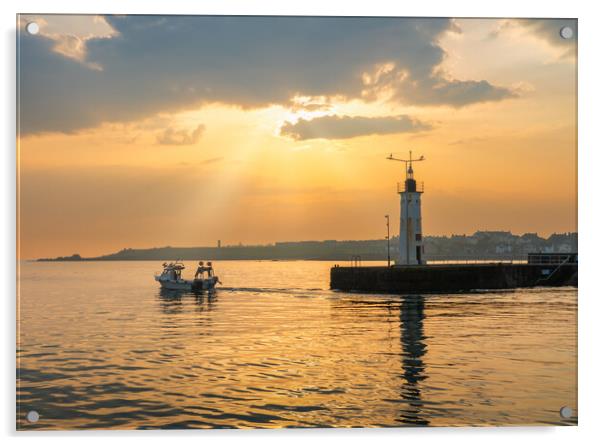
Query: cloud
(74,47)
(153,64)
(345,127)
(468,141)
(70,33)
(171,136)
(203,161)
(547,30)
(456,93)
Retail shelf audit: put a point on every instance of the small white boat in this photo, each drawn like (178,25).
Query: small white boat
(171,277)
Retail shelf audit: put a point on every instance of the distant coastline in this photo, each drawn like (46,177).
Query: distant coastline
(486,245)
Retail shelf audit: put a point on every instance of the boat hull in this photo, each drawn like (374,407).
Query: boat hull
(187,285)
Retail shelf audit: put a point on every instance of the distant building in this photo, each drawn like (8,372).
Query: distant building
(502,248)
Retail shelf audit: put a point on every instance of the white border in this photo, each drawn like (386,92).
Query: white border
(590,226)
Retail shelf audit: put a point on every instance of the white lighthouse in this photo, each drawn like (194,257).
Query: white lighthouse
(411,249)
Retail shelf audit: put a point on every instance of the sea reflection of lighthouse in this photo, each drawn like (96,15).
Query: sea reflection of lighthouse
(411,250)
(413,349)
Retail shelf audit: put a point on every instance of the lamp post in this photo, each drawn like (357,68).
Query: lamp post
(388,244)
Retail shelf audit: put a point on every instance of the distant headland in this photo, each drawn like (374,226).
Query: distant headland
(490,245)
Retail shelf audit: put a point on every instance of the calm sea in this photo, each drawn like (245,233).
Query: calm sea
(100,346)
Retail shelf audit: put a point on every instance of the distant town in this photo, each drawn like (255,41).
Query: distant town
(481,245)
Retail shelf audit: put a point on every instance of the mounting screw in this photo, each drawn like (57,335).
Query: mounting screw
(33,416)
(566,412)
(32,28)
(566,32)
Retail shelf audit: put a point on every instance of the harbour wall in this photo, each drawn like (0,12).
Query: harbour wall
(450,277)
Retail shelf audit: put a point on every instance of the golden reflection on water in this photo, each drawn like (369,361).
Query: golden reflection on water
(100,346)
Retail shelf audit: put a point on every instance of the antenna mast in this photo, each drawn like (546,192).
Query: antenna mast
(407,162)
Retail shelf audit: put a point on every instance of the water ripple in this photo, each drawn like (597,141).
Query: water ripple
(276,349)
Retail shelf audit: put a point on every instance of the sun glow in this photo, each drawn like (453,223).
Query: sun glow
(217,171)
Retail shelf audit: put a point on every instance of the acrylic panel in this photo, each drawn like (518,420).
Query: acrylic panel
(282,221)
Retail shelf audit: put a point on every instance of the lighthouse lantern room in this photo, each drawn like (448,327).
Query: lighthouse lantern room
(411,248)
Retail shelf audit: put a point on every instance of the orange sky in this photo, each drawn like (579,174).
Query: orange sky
(188,174)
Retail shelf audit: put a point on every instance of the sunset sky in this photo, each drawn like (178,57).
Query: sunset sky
(143,131)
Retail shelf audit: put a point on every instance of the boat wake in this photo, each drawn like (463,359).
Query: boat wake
(271,290)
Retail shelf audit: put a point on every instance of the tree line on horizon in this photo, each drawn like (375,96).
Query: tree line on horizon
(480,245)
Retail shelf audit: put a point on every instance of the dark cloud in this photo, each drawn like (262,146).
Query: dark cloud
(171,136)
(345,127)
(152,64)
(548,30)
(456,93)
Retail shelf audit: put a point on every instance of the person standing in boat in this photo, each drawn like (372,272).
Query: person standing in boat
(209,269)
(200,270)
